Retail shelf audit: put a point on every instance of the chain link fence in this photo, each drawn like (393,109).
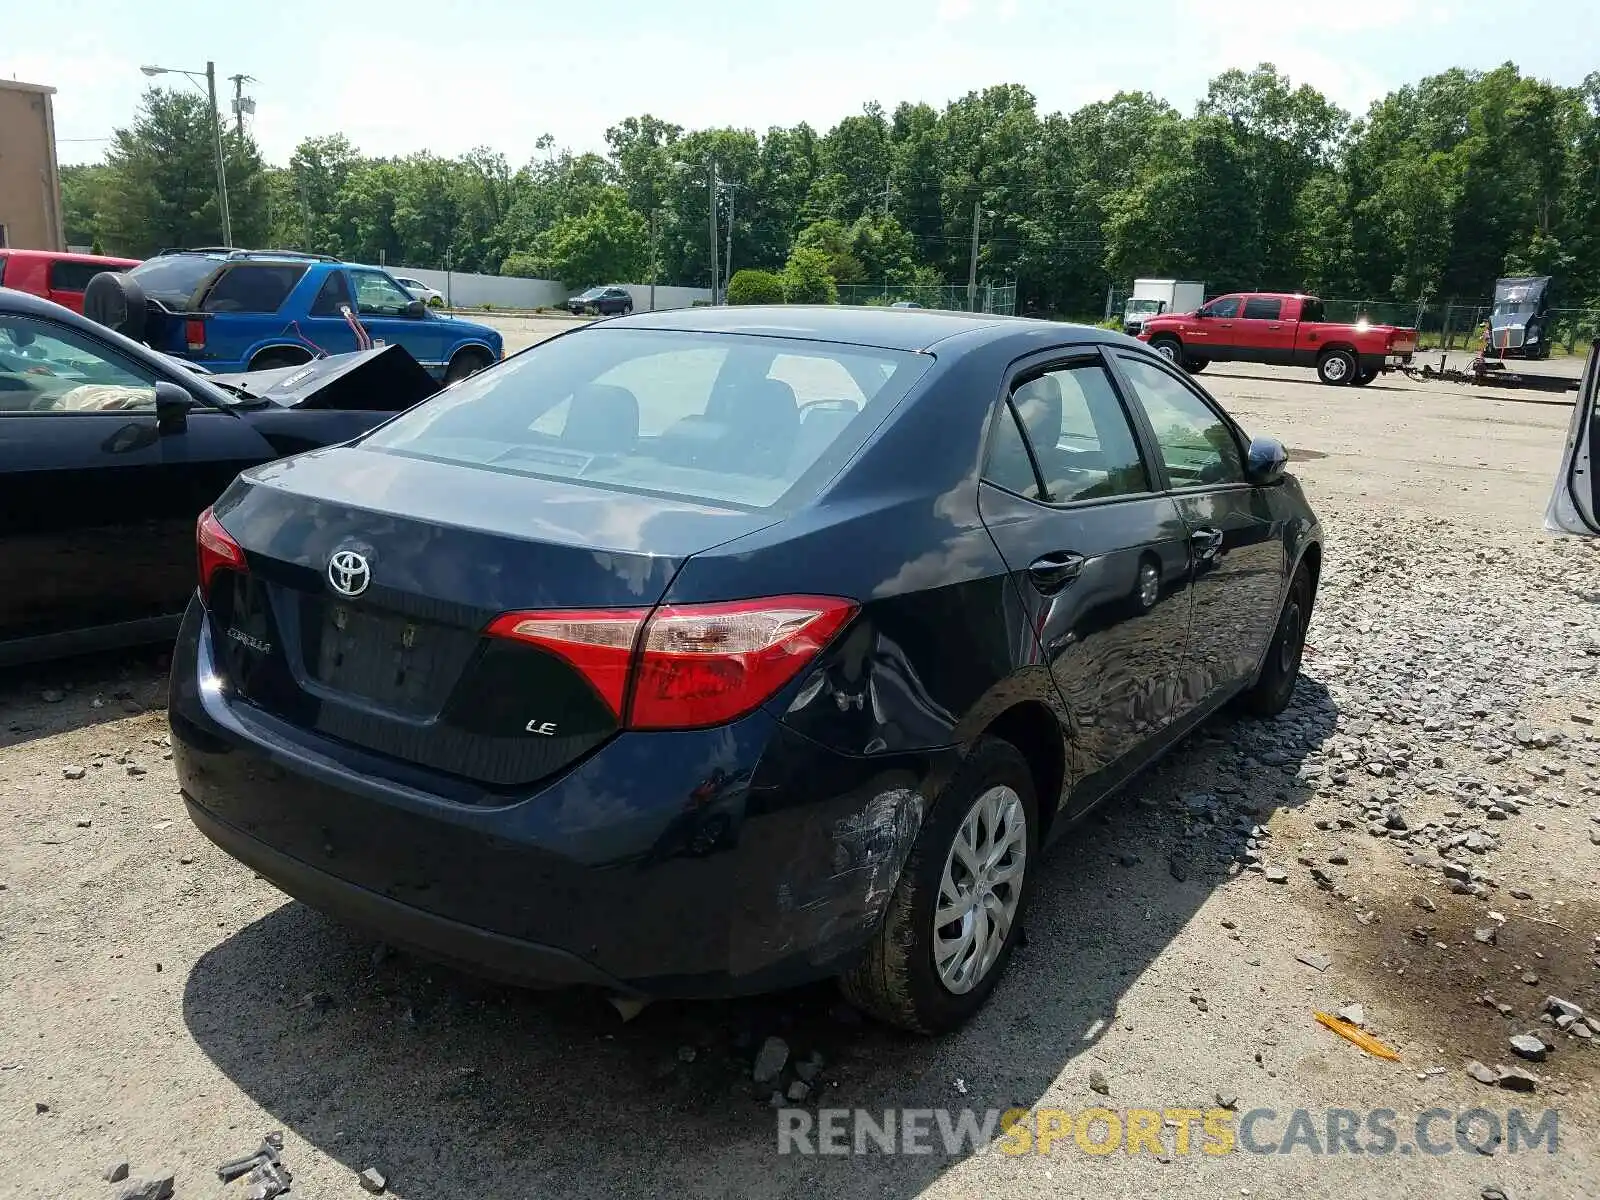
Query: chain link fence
(990,298)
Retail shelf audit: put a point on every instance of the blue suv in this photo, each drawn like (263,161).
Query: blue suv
(253,310)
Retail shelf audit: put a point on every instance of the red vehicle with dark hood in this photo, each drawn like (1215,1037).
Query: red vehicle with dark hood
(1281,328)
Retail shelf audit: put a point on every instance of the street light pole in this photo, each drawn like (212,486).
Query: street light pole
(223,215)
(216,145)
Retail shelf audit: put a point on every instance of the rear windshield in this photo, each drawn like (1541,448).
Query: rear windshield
(173,279)
(746,421)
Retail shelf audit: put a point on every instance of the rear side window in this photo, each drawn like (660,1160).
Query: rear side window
(1262,308)
(253,288)
(75,276)
(717,417)
(1080,435)
(1311,310)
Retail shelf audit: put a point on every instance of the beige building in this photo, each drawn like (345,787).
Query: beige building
(30,185)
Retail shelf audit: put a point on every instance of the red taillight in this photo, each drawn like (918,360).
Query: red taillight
(689,665)
(194,333)
(217,550)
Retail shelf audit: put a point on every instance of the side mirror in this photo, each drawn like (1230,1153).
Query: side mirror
(1266,461)
(416,309)
(172,408)
(1201,313)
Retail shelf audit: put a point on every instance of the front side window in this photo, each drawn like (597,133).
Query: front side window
(1262,308)
(378,295)
(1081,437)
(1228,306)
(1196,444)
(50,368)
(716,417)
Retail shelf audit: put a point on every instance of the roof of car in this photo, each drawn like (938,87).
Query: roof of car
(866,325)
(68,256)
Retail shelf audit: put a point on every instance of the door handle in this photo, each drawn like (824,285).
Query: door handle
(1052,572)
(1205,542)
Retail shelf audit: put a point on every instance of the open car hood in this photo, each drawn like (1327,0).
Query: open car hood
(383,379)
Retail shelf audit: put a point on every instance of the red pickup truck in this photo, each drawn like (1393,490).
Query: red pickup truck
(56,275)
(1276,327)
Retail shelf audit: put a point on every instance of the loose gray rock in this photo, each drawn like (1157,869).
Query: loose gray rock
(1521,894)
(1514,1080)
(1559,1007)
(135,770)
(1483,1074)
(1316,960)
(156,1187)
(1099,1083)
(809,1068)
(1228,1101)
(1455,870)
(115,1173)
(1425,903)
(73,772)
(1484,935)
(52,695)
(770,1060)
(1277,875)
(372,1180)
(798,1091)
(1529,1046)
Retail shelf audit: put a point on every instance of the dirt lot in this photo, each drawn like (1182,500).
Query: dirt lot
(160,1005)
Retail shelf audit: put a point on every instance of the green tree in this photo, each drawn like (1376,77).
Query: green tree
(833,241)
(755,287)
(806,278)
(608,243)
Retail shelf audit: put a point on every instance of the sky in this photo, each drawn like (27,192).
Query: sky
(410,75)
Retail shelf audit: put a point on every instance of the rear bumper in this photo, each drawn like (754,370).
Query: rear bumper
(720,862)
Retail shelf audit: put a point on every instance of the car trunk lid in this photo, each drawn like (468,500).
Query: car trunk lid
(373,580)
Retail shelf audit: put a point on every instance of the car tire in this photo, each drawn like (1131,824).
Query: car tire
(278,356)
(1362,378)
(466,362)
(113,300)
(899,981)
(1169,347)
(1336,368)
(1195,365)
(1272,691)
(435,301)
(627,310)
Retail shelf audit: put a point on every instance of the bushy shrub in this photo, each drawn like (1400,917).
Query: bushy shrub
(806,279)
(755,287)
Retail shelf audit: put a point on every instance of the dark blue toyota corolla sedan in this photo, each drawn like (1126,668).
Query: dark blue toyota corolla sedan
(710,651)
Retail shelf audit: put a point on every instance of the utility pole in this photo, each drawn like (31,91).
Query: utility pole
(727,259)
(712,185)
(216,145)
(655,260)
(886,190)
(239,103)
(972,269)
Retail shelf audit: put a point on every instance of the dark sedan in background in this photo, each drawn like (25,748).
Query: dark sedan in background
(602,302)
(109,451)
(710,651)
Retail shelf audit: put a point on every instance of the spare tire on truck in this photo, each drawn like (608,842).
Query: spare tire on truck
(117,302)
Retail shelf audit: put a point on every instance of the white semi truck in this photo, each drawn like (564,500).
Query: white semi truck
(1152,297)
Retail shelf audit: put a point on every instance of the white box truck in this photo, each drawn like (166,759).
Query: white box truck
(1152,297)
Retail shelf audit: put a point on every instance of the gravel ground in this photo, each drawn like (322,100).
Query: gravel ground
(1431,805)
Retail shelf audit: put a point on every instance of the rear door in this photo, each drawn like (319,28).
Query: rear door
(1263,329)
(1236,533)
(1575,504)
(1098,553)
(1212,334)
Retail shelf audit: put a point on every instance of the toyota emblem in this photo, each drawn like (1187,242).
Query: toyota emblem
(349,572)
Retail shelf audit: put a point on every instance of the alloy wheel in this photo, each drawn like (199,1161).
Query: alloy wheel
(980,889)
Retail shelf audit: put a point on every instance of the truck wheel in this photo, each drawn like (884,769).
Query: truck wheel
(1362,378)
(1195,365)
(1170,348)
(1336,367)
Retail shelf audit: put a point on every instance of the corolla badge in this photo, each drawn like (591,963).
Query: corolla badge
(349,572)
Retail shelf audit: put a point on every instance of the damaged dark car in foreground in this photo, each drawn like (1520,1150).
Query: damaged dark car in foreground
(713,651)
(109,451)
